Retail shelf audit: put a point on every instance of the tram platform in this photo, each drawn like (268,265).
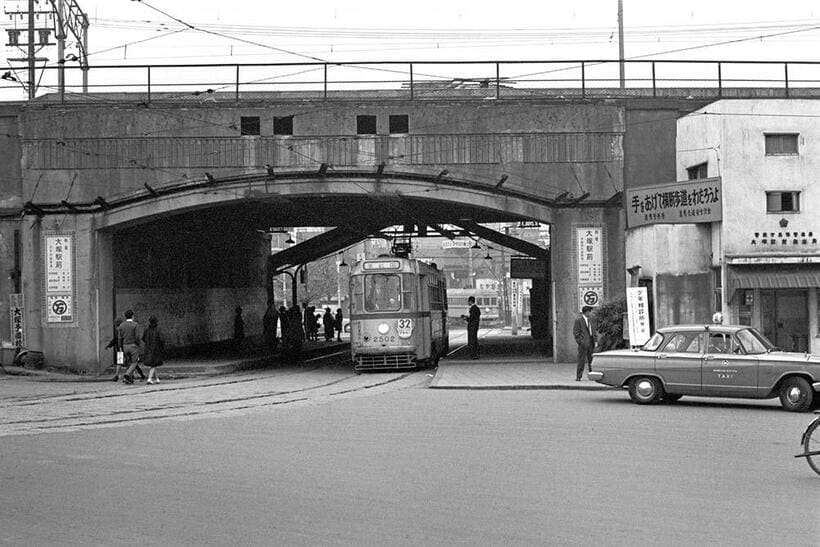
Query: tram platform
(506,362)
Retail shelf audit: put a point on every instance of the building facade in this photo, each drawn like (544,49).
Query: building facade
(752,251)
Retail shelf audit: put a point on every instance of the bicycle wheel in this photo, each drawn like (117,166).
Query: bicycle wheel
(811,442)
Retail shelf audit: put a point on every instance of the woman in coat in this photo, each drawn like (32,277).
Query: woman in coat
(154,349)
(328,323)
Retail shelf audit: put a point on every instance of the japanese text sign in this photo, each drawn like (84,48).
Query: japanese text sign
(683,202)
(637,306)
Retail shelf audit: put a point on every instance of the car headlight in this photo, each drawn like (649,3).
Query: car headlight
(383,328)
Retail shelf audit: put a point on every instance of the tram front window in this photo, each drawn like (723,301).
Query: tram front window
(382,292)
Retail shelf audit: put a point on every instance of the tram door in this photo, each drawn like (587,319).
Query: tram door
(785,318)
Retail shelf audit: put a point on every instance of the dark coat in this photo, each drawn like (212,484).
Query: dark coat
(473,318)
(154,351)
(582,335)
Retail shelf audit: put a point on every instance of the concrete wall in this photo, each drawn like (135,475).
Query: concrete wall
(544,148)
(76,153)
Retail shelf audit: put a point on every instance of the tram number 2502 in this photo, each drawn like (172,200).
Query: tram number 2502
(384,338)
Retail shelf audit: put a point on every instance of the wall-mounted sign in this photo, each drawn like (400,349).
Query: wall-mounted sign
(59,266)
(589,245)
(683,202)
(637,308)
(457,243)
(17,314)
(527,268)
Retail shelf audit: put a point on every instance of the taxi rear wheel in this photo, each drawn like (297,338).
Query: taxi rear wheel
(796,395)
(645,390)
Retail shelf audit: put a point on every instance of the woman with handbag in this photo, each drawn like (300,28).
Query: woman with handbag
(154,349)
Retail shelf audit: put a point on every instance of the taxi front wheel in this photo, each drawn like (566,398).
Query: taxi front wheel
(645,390)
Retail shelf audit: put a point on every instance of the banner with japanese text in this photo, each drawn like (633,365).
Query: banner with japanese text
(683,202)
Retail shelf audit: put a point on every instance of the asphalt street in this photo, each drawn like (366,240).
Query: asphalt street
(306,457)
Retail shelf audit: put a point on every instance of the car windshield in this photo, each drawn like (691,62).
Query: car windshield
(654,343)
(753,342)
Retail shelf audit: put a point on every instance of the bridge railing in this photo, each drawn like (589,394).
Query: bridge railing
(424,80)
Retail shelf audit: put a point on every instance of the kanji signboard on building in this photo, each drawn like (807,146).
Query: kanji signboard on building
(682,202)
(637,308)
(589,242)
(59,274)
(17,311)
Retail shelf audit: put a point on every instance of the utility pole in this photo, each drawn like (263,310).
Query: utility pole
(621,41)
(61,19)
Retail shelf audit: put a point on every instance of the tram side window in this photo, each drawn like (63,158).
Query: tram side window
(435,292)
(408,291)
(356,302)
(382,292)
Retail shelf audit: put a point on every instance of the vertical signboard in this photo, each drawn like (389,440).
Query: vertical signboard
(637,309)
(589,241)
(59,266)
(17,314)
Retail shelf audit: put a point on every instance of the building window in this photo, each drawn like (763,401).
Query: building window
(283,125)
(782,202)
(745,306)
(365,125)
(399,124)
(781,144)
(249,125)
(697,172)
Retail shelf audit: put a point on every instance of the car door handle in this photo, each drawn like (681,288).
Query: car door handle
(709,357)
(661,356)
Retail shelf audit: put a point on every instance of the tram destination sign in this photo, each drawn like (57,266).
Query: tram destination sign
(683,202)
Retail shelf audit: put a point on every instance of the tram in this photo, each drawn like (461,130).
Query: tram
(486,299)
(398,314)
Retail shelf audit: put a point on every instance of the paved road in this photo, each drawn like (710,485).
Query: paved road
(379,459)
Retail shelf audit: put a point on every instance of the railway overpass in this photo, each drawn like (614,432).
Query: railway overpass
(152,202)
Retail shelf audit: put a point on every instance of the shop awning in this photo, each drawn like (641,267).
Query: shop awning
(770,276)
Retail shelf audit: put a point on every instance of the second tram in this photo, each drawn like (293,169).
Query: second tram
(398,314)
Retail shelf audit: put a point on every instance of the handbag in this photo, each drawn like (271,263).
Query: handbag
(120,357)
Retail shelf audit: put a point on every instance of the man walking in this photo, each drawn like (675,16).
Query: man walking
(473,318)
(130,337)
(584,333)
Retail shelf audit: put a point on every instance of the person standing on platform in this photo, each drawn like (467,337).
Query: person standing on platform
(238,328)
(473,319)
(269,322)
(154,349)
(327,323)
(584,332)
(338,321)
(130,339)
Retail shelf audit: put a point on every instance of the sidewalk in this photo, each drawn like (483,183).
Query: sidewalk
(506,363)
(518,374)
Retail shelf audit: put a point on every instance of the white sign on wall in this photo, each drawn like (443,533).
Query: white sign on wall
(17,314)
(589,248)
(637,308)
(59,266)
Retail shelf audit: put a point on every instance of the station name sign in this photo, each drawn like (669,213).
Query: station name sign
(683,202)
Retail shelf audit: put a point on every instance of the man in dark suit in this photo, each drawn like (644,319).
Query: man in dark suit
(472,319)
(584,333)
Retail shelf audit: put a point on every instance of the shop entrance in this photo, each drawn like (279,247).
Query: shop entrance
(785,318)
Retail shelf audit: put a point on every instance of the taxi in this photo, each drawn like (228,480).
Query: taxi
(711,361)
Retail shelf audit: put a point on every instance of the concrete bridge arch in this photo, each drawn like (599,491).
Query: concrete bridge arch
(110,238)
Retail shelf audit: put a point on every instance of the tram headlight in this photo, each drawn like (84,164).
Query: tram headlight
(383,328)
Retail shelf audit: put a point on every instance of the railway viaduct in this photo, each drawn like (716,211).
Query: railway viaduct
(111,202)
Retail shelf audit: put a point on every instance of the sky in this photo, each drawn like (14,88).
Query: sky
(265,31)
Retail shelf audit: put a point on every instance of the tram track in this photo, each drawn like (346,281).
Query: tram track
(314,382)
